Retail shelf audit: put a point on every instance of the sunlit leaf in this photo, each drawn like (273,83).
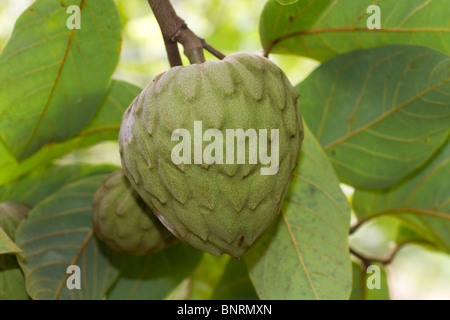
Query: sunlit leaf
(52,78)
(322,29)
(104,126)
(39,185)
(206,276)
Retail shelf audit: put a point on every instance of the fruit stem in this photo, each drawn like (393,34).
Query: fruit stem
(174,29)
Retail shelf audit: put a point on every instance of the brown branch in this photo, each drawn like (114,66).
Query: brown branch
(174,30)
(173,55)
(212,50)
(396,211)
(367,261)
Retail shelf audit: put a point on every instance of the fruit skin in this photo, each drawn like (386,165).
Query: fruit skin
(218,208)
(124,222)
(11,214)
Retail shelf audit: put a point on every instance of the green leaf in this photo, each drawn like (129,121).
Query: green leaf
(154,277)
(52,79)
(58,233)
(421,200)
(379,113)
(322,29)
(11,214)
(40,184)
(6,244)
(104,126)
(206,276)
(235,283)
(12,282)
(106,123)
(287,2)
(360,291)
(305,254)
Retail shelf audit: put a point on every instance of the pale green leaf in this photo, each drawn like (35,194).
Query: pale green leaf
(322,29)
(104,126)
(52,78)
(360,290)
(206,276)
(40,184)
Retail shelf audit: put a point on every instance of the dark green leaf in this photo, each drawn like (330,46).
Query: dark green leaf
(322,29)
(12,282)
(305,254)
(52,79)
(104,126)
(379,113)
(11,214)
(58,233)
(421,200)
(6,244)
(155,276)
(40,184)
(235,283)
(206,276)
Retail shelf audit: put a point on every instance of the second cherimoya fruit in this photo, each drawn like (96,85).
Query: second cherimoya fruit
(218,208)
(124,222)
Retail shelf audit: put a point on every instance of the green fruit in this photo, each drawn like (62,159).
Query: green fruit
(218,208)
(124,222)
(11,214)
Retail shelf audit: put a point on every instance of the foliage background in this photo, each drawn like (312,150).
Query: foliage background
(415,273)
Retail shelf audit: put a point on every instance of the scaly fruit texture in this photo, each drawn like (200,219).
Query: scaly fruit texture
(124,222)
(218,208)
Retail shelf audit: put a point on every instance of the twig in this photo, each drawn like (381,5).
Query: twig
(367,261)
(212,50)
(173,55)
(396,211)
(174,30)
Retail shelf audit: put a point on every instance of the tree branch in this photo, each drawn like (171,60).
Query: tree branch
(398,211)
(173,55)
(212,50)
(367,261)
(174,30)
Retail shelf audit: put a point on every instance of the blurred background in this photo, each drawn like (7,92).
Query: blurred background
(232,26)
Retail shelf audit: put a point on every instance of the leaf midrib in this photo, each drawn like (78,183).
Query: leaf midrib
(52,91)
(384,115)
(275,41)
